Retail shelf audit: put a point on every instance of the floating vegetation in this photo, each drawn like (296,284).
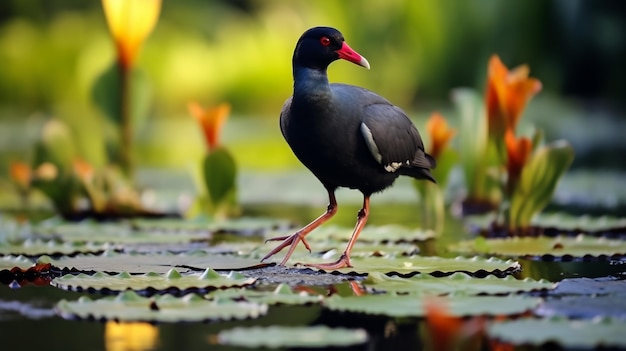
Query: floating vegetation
(287,337)
(370,234)
(564,248)
(171,282)
(410,266)
(282,294)
(111,262)
(129,306)
(37,247)
(574,334)
(455,283)
(392,305)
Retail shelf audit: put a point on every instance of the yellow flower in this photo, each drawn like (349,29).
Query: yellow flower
(130,23)
(507,94)
(440,134)
(130,336)
(518,152)
(211,120)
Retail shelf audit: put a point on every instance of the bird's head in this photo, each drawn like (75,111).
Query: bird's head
(320,46)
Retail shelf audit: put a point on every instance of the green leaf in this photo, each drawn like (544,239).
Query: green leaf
(538,182)
(472,145)
(577,334)
(129,306)
(410,266)
(156,262)
(292,337)
(157,282)
(413,305)
(220,172)
(455,283)
(106,95)
(579,246)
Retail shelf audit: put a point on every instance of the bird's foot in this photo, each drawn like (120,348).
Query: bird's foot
(342,262)
(291,241)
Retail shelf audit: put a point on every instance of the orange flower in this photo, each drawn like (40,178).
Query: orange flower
(211,120)
(507,94)
(447,332)
(518,152)
(440,134)
(83,170)
(130,23)
(21,174)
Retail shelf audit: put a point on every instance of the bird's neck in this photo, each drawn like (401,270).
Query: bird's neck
(310,84)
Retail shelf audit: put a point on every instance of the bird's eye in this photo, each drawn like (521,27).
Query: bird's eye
(325,41)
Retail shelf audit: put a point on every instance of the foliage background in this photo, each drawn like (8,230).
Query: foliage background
(240,51)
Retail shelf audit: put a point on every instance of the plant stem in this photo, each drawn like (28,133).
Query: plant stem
(126,128)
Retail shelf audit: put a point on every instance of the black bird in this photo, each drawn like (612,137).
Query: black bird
(346,135)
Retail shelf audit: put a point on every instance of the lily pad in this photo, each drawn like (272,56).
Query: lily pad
(10,262)
(129,306)
(111,262)
(369,234)
(455,283)
(282,295)
(118,233)
(284,337)
(588,286)
(38,247)
(553,224)
(413,305)
(244,225)
(171,282)
(579,246)
(587,307)
(410,266)
(578,334)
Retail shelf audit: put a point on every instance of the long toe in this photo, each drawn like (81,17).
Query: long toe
(342,262)
(291,241)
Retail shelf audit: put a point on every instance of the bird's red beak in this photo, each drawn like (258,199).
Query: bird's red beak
(348,54)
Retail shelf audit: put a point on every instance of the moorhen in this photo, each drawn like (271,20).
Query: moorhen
(345,135)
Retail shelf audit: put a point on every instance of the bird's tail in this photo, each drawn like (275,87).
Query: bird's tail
(420,167)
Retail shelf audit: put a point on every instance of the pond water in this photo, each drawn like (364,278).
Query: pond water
(28,320)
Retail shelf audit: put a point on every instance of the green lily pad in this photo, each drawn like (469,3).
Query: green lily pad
(413,305)
(284,337)
(455,283)
(171,282)
(129,306)
(244,225)
(579,246)
(562,223)
(412,265)
(10,262)
(118,233)
(369,234)
(578,334)
(36,247)
(282,295)
(158,263)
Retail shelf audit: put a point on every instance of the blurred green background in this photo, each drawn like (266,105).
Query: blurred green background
(240,51)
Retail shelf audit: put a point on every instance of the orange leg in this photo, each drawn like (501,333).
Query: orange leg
(293,240)
(344,260)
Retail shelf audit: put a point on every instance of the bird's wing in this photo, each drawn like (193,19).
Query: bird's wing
(391,137)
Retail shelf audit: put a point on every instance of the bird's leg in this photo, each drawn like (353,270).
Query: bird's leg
(293,240)
(344,260)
